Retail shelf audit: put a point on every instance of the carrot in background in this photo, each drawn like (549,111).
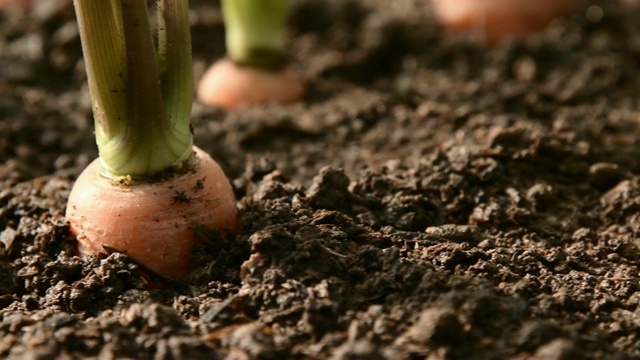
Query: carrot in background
(499,20)
(254,72)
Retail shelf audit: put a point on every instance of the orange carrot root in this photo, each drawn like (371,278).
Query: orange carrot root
(229,86)
(151,222)
(27,4)
(499,20)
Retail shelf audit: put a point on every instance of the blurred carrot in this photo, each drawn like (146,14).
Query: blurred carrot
(499,20)
(25,3)
(255,71)
(230,86)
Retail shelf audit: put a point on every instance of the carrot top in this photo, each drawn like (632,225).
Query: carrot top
(140,91)
(255,32)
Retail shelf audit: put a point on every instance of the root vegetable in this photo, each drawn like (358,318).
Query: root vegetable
(23,3)
(499,20)
(153,222)
(150,187)
(230,86)
(254,72)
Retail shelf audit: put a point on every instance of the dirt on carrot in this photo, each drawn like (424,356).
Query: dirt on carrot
(431,197)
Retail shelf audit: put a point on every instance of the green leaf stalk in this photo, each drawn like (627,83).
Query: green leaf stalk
(255,32)
(141,93)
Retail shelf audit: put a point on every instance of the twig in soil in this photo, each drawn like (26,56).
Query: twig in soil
(333,252)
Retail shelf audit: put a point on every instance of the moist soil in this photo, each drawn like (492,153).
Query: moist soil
(430,198)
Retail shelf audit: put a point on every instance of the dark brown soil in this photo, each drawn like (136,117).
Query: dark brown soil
(430,198)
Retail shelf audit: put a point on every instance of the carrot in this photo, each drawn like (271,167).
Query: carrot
(150,187)
(22,3)
(230,86)
(499,20)
(254,72)
(151,222)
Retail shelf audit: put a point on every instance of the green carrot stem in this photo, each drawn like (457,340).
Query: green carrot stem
(255,31)
(141,113)
(174,54)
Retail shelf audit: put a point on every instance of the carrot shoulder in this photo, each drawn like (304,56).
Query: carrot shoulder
(152,222)
(230,86)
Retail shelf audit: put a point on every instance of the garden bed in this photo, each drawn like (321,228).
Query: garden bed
(430,197)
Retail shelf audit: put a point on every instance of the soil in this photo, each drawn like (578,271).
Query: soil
(431,197)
